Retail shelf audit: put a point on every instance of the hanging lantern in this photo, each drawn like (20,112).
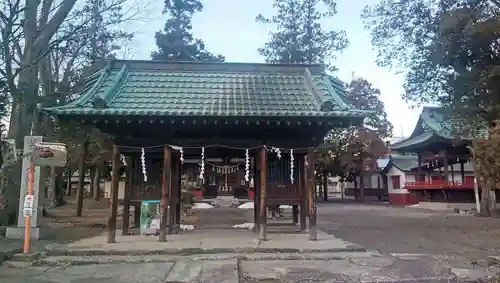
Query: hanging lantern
(143,163)
(247,165)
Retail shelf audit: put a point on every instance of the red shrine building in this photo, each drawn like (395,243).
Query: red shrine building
(432,165)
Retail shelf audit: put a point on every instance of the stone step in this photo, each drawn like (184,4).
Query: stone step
(221,271)
(120,259)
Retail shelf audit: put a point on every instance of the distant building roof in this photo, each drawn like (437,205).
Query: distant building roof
(433,127)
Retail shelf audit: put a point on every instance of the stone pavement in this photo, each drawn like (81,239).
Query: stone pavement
(205,241)
(347,267)
(230,256)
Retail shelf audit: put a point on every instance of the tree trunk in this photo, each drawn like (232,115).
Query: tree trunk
(356,189)
(325,186)
(91,183)
(35,44)
(81,179)
(362,186)
(68,182)
(53,184)
(59,187)
(97,184)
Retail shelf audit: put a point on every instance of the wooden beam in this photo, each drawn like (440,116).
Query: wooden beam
(126,197)
(313,234)
(115,179)
(81,178)
(263,195)
(165,189)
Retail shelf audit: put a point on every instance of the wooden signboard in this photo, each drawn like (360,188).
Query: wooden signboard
(50,154)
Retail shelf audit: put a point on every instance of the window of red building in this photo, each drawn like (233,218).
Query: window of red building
(396,182)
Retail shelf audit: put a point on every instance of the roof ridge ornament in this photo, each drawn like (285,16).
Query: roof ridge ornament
(323,102)
(102,100)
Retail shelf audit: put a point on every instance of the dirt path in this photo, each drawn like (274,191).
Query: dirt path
(403,230)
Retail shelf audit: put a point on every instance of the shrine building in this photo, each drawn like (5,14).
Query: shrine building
(239,129)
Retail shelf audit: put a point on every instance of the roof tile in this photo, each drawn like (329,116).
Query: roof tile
(152,88)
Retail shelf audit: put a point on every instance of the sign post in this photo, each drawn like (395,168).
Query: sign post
(28,205)
(44,154)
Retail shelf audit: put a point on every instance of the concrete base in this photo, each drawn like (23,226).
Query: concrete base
(206,242)
(446,205)
(403,199)
(18,233)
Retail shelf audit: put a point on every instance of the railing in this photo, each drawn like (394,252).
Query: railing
(439,184)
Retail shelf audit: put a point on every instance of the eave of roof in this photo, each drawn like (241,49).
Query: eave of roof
(102,98)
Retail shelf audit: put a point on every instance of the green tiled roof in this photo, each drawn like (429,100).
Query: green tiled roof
(155,88)
(404,163)
(434,126)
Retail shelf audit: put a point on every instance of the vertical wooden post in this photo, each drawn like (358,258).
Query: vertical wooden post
(256,198)
(445,166)
(176,189)
(115,179)
(136,194)
(81,179)
(171,198)
(419,167)
(302,191)
(313,235)
(452,179)
(325,186)
(462,171)
(97,183)
(263,195)
(165,189)
(126,197)
(295,214)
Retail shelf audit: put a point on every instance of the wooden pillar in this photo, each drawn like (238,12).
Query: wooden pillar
(176,188)
(313,235)
(302,191)
(81,178)
(256,194)
(325,186)
(295,214)
(126,197)
(445,166)
(419,167)
(115,179)
(136,193)
(462,171)
(171,198)
(452,179)
(165,189)
(263,195)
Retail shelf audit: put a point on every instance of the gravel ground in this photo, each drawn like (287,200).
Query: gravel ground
(409,230)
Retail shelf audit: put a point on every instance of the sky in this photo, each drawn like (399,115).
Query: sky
(228,27)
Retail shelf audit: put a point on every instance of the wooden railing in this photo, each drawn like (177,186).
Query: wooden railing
(439,184)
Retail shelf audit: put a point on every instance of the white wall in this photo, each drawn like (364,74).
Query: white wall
(394,171)
(370,181)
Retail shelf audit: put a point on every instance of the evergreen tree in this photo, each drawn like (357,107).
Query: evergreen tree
(450,53)
(300,37)
(177,42)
